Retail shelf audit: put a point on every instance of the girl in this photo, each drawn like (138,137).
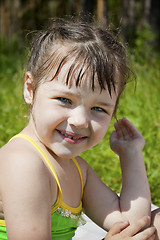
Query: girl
(75,75)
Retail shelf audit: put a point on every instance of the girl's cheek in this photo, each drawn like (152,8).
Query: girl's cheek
(101,128)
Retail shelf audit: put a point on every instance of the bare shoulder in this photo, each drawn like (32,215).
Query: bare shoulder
(82,163)
(20,161)
(24,188)
(19,153)
(85,166)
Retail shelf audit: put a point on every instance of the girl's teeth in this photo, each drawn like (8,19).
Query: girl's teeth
(70,136)
(74,138)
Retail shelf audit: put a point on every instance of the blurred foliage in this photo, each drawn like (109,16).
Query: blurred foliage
(20,17)
(12,107)
(144,47)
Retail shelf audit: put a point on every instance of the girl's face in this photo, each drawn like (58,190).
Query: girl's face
(68,119)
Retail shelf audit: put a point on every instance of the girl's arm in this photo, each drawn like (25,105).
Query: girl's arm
(26,196)
(100,202)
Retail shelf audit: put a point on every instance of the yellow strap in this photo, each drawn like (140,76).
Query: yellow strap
(46,160)
(2,223)
(79,208)
(71,209)
(80,174)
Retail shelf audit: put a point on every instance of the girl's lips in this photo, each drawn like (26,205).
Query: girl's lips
(71,137)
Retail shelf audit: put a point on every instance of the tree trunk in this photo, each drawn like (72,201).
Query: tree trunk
(129,20)
(102,11)
(87,10)
(15,18)
(146,8)
(5,24)
(155,16)
(75,7)
(9,18)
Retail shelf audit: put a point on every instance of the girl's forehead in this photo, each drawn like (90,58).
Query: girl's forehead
(86,81)
(84,88)
(69,74)
(78,74)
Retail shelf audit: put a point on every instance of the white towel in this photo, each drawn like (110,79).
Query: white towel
(91,231)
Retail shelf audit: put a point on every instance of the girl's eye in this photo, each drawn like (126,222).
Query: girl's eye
(98,109)
(64,100)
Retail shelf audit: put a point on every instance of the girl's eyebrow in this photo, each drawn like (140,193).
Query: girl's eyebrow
(105,104)
(66,92)
(70,94)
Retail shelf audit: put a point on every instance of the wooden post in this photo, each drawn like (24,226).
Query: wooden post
(102,11)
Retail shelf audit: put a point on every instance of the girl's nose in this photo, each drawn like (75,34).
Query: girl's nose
(79,117)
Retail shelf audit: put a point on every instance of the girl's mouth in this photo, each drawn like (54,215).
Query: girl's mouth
(71,137)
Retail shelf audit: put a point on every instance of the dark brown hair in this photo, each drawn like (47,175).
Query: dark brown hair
(90,45)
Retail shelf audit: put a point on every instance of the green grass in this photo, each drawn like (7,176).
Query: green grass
(12,107)
(141,107)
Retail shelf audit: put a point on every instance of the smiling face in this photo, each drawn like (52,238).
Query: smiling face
(68,119)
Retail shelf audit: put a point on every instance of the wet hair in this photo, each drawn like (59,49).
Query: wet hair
(89,46)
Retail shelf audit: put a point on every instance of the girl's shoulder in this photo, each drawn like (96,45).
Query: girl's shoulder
(83,164)
(19,150)
(24,187)
(18,156)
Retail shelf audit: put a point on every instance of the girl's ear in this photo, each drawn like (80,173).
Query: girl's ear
(28,88)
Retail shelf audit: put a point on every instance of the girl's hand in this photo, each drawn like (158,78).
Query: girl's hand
(126,137)
(124,231)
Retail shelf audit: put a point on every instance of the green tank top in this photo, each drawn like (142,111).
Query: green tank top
(64,219)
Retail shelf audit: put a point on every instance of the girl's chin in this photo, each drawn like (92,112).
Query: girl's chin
(68,152)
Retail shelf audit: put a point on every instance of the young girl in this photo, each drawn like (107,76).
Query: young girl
(75,75)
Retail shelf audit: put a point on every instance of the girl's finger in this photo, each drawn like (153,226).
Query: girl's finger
(137,226)
(117,228)
(147,234)
(122,129)
(131,128)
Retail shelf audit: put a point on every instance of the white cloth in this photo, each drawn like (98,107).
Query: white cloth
(91,231)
